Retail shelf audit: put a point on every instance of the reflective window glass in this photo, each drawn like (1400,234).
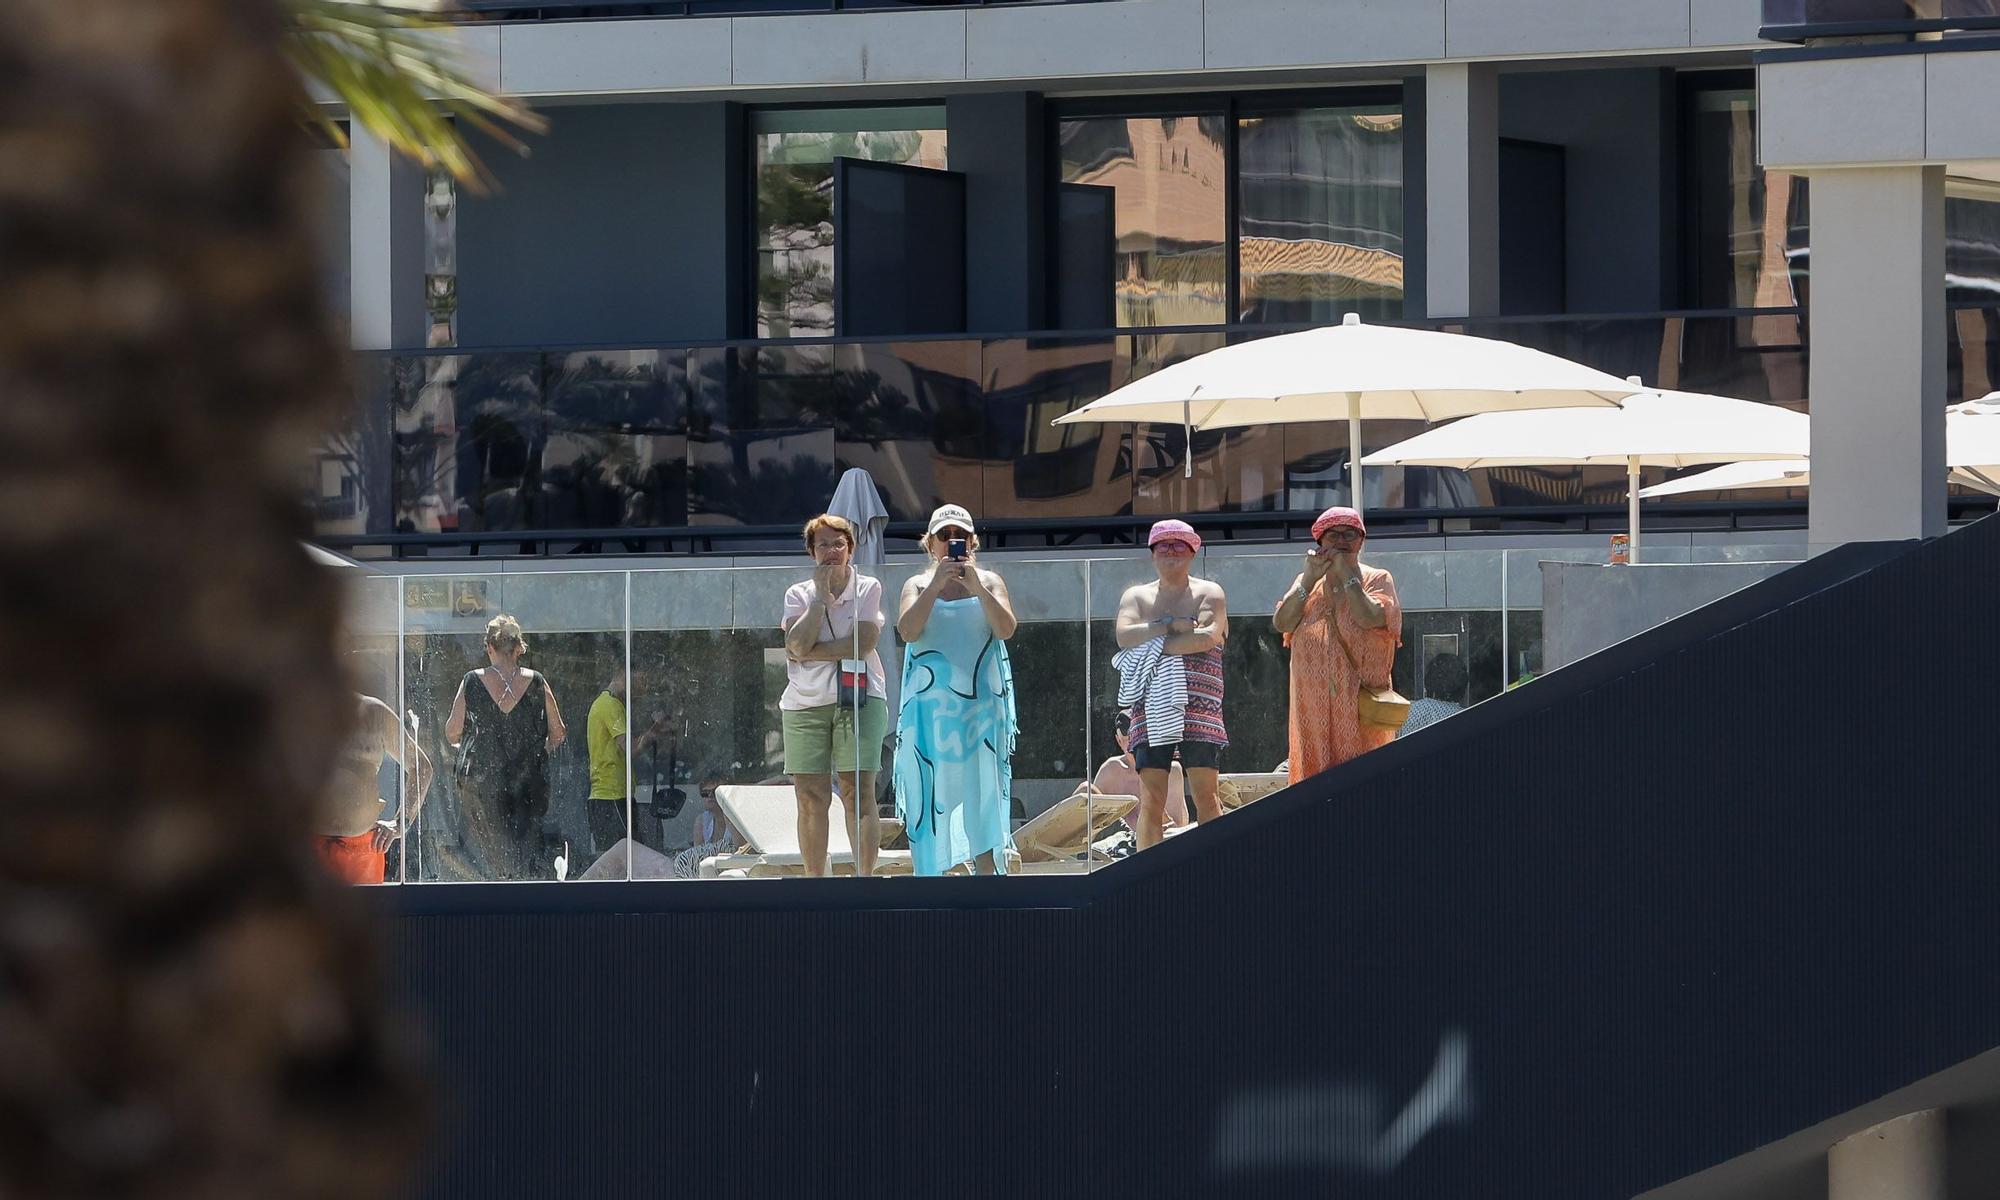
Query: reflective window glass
(793,152)
(1747,227)
(616,451)
(760,434)
(1972,249)
(469,431)
(1170,179)
(910,415)
(1034,467)
(1320,214)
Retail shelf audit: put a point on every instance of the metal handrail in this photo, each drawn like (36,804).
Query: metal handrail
(1079,335)
(1111,532)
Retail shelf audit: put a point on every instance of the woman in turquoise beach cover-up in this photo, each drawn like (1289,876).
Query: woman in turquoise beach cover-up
(955,728)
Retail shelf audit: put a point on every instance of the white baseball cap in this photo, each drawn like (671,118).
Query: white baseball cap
(950,514)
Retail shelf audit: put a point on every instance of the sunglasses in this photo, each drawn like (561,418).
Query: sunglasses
(1172,547)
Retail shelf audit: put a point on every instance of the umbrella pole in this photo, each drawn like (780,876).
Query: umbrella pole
(1632,502)
(1356,491)
(1187,436)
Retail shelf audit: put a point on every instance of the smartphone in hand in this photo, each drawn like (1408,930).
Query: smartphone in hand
(955,549)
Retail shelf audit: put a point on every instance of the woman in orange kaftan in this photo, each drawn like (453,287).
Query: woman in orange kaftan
(1337,601)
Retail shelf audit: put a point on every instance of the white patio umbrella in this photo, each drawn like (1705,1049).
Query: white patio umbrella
(1357,371)
(1751,476)
(1972,452)
(1648,429)
(1771,473)
(1972,442)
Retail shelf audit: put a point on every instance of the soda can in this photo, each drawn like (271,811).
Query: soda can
(1621,549)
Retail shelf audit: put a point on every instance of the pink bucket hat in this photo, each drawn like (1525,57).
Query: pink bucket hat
(1171,530)
(1334,518)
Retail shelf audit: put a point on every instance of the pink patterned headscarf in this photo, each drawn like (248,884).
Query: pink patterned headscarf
(1334,518)
(1171,530)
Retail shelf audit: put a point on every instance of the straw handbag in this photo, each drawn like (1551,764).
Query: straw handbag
(1381,708)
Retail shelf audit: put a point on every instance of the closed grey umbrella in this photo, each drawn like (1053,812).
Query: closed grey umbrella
(856,499)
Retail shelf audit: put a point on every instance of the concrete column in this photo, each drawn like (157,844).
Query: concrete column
(1461,189)
(1902,1159)
(1877,344)
(998,142)
(386,246)
(1415,194)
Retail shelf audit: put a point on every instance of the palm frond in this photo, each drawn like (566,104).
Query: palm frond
(391,62)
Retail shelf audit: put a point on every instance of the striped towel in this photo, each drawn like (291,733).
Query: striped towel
(1148,671)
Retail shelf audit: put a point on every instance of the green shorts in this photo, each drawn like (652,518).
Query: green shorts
(820,741)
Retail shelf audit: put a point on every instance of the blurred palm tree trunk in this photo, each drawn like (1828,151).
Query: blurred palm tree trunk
(186,1009)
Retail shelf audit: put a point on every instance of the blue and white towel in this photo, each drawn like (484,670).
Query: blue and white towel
(1146,671)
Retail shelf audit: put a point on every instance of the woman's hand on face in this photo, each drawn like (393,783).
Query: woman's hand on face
(1318,562)
(823,581)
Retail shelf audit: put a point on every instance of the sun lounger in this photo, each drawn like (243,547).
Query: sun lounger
(1053,842)
(767,816)
(1249,787)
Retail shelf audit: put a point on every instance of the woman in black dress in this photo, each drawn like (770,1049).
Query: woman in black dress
(505,722)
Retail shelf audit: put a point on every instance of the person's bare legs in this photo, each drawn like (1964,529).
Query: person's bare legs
(1153,805)
(864,831)
(815,794)
(1202,781)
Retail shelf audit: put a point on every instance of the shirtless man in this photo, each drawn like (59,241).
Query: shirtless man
(1193,614)
(357,826)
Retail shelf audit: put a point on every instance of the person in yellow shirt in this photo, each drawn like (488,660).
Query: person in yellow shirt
(609,738)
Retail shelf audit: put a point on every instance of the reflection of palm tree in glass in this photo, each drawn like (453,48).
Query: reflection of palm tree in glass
(743,397)
(775,492)
(795,218)
(607,419)
(874,412)
(499,454)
